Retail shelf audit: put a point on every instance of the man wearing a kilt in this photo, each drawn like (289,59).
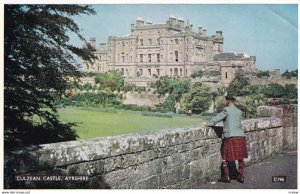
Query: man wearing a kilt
(234,147)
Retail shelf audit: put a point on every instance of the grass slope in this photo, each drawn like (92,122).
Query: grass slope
(92,124)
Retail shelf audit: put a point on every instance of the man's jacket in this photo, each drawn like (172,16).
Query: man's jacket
(232,117)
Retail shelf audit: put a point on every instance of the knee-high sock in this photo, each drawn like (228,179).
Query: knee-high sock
(241,166)
(225,168)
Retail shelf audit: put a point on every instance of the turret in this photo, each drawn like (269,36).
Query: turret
(219,34)
(172,20)
(149,22)
(180,22)
(204,32)
(200,30)
(139,22)
(93,42)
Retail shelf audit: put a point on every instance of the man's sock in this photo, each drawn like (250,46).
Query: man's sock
(241,166)
(226,170)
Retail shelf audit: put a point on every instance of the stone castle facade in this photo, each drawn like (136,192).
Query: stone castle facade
(169,49)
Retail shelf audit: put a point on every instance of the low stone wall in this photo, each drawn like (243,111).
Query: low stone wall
(143,98)
(173,158)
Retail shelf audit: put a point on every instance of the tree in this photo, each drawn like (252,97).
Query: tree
(197,99)
(112,79)
(197,74)
(290,74)
(274,90)
(175,87)
(39,63)
(263,73)
(237,85)
(291,91)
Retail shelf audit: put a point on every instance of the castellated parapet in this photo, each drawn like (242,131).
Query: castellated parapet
(169,49)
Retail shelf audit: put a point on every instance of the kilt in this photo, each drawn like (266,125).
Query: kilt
(234,148)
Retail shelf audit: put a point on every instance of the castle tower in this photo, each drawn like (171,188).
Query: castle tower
(93,42)
(172,20)
(139,22)
(180,23)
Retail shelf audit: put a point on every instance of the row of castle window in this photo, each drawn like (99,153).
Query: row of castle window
(157,71)
(150,42)
(141,41)
(176,73)
(150,59)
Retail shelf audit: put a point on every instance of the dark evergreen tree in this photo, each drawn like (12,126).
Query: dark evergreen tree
(39,63)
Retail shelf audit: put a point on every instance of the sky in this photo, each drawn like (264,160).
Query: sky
(267,31)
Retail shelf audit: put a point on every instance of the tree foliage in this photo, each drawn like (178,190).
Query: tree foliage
(238,86)
(111,79)
(198,98)
(174,87)
(274,90)
(39,62)
(197,74)
(263,73)
(290,74)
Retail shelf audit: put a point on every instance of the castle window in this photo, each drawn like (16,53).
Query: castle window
(225,75)
(130,58)
(186,72)
(176,72)
(176,56)
(123,43)
(123,59)
(171,71)
(122,71)
(158,59)
(176,41)
(149,57)
(157,71)
(141,42)
(150,41)
(149,72)
(141,71)
(180,72)
(141,57)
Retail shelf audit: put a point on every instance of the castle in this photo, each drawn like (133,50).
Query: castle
(170,49)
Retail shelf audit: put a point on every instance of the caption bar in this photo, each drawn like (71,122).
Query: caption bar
(50,178)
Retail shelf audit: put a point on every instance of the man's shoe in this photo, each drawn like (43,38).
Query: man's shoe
(240,178)
(234,176)
(224,180)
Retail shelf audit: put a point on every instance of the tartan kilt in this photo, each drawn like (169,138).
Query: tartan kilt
(234,148)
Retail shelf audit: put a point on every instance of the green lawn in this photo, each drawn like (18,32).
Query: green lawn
(93,124)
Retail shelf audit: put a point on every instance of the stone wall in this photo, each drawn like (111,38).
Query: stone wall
(172,158)
(144,98)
